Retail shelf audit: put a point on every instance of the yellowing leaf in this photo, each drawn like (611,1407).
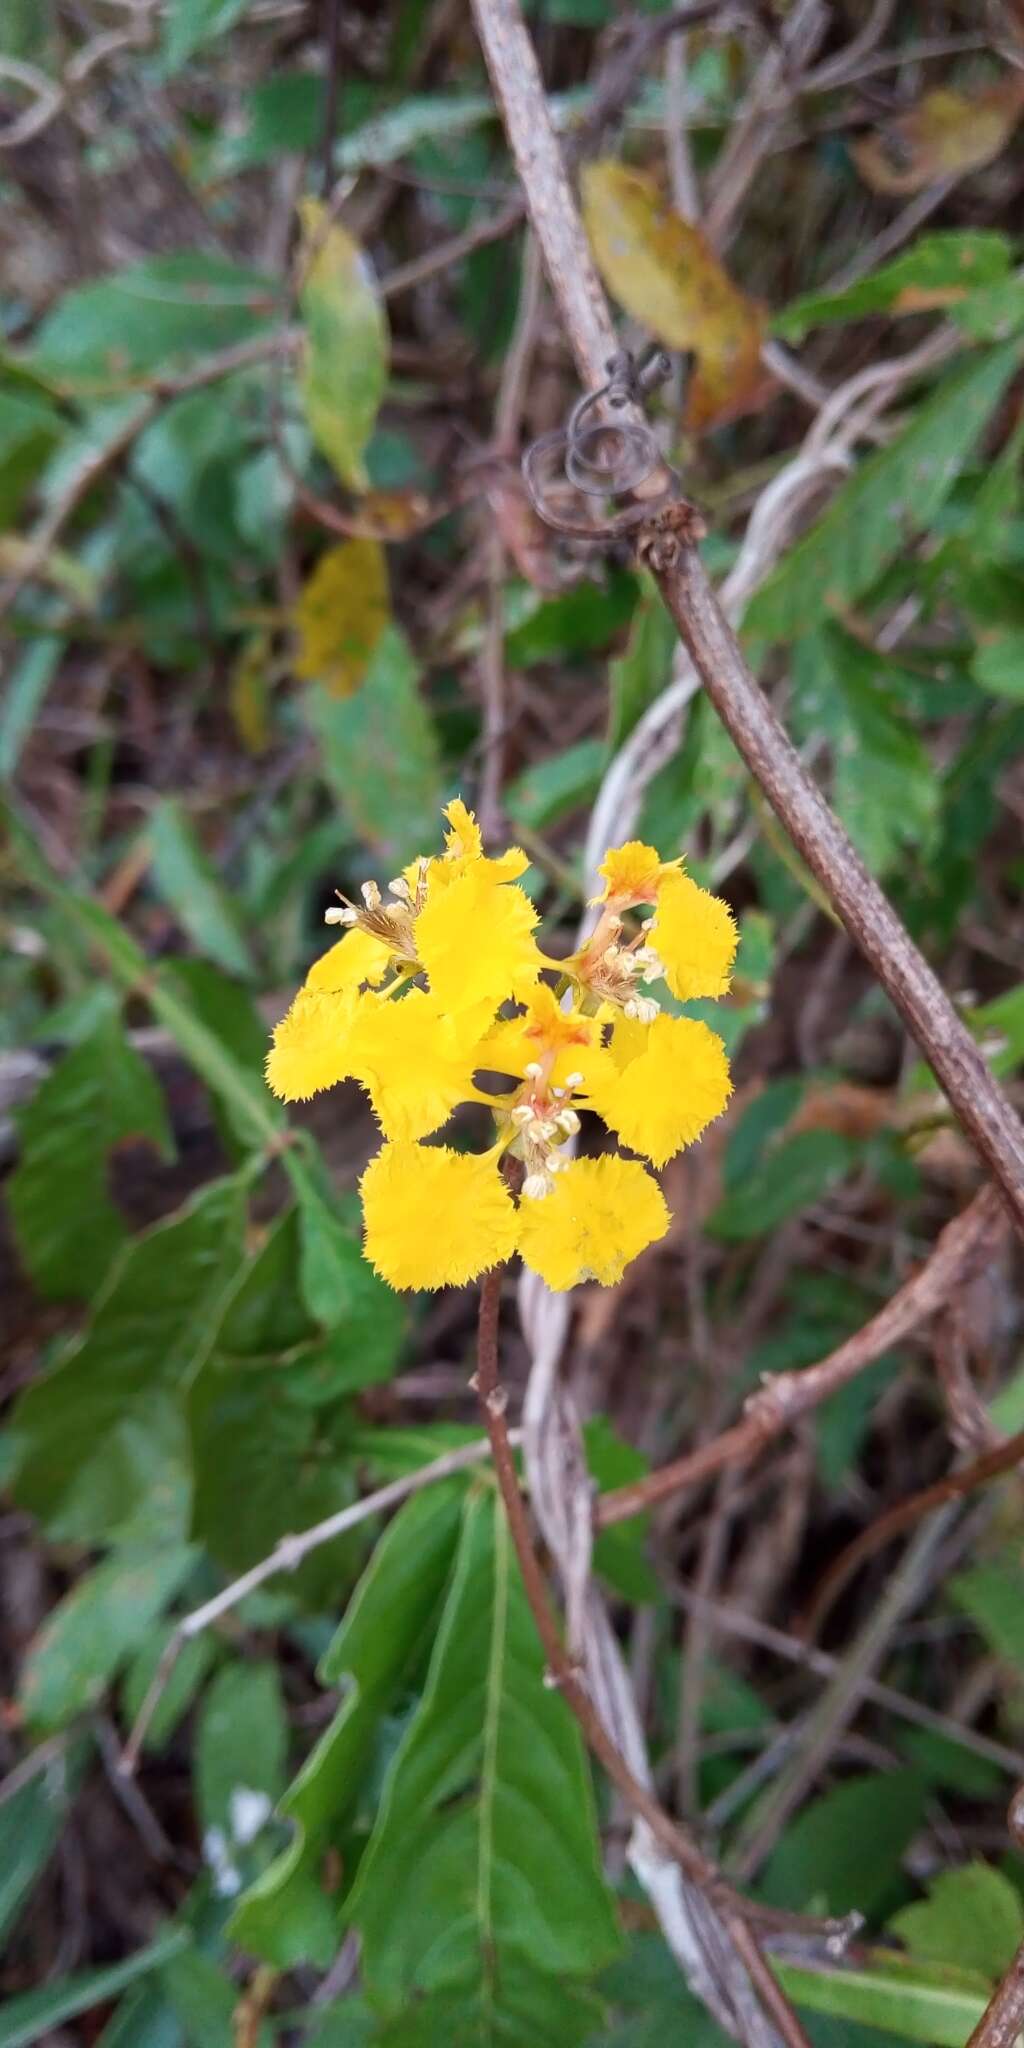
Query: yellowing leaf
(341,615)
(249,695)
(345,364)
(665,273)
(945,135)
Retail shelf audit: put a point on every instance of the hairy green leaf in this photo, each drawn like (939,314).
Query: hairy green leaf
(482,1872)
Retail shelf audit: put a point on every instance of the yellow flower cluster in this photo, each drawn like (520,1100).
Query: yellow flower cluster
(435,997)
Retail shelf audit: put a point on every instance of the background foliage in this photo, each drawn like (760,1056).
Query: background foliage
(272,594)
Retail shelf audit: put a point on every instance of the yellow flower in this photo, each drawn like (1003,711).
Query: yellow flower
(358,957)
(633,874)
(669,1080)
(599,1215)
(435,1218)
(464,847)
(694,935)
(311,1045)
(474,937)
(412,1063)
(561,1042)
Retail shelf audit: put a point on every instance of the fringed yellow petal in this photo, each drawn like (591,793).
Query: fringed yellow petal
(669,1091)
(695,936)
(435,1218)
(463,834)
(633,874)
(599,1215)
(358,957)
(546,1029)
(412,1064)
(311,1045)
(464,848)
(475,940)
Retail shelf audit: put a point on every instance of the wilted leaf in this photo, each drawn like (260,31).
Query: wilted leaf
(665,273)
(342,611)
(945,135)
(345,366)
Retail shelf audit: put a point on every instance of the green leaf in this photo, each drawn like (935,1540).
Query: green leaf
(28,679)
(548,790)
(164,310)
(896,492)
(482,1875)
(253,1109)
(32,1823)
(905,2001)
(998,665)
(345,367)
(363,1318)
(93,1631)
(640,674)
(937,270)
(380,754)
(580,622)
(30,428)
(241,1747)
(993,1596)
(25,2021)
(287,1916)
(100,1441)
(792,1176)
(388,136)
(188,882)
(973,1914)
(193,1661)
(620,1553)
(189,24)
(227,1017)
(841,1852)
(884,786)
(264,1466)
(101,1093)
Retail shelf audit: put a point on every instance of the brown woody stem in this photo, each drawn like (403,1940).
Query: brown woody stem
(979,1102)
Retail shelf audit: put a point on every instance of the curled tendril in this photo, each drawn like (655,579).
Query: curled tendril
(598,457)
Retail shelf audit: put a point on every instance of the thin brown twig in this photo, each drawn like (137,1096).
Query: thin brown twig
(749,1629)
(983,1110)
(783,1399)
(955,1486)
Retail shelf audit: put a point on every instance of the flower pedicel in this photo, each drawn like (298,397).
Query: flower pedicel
(440,995)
